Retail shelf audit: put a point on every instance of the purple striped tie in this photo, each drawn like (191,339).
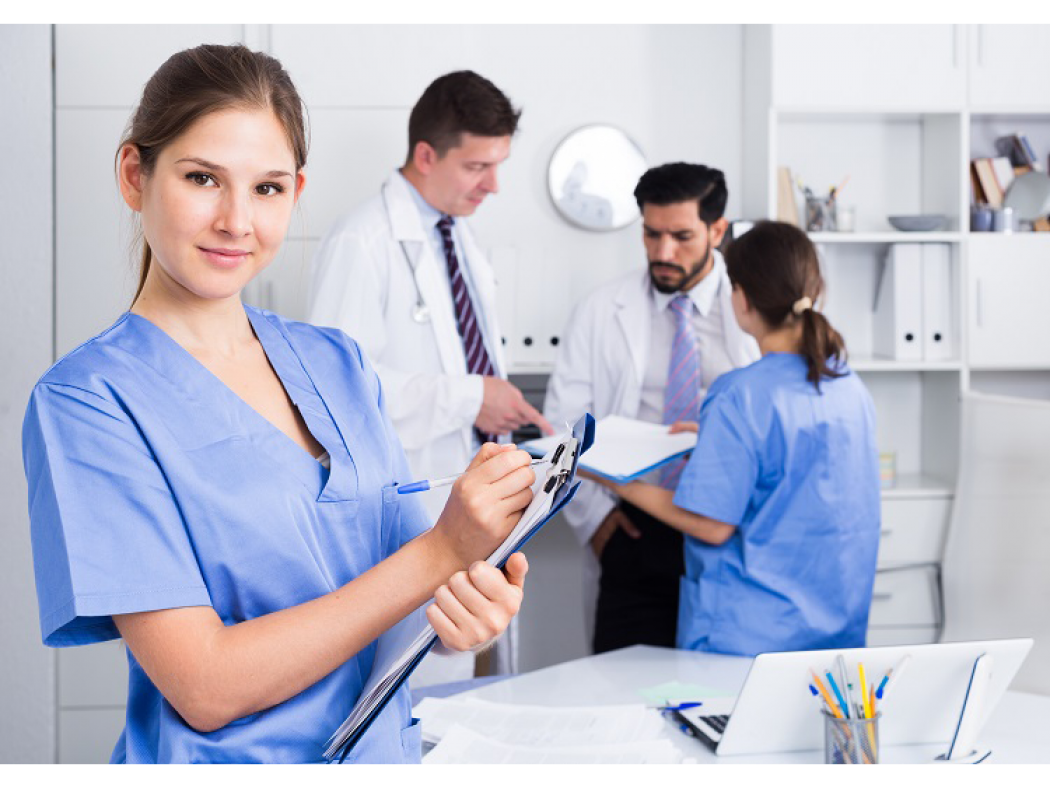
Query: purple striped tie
(478,361)
(682,395)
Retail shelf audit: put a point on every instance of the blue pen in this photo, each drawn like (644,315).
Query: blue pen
(681,706)
(430,484)
(838,694)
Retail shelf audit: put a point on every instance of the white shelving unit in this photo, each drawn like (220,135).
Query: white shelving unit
(906,145)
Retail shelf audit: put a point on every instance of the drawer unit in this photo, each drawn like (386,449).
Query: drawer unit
(913,530)
(908,597)
(902,636)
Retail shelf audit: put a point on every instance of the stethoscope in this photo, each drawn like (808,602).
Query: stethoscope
(420,310)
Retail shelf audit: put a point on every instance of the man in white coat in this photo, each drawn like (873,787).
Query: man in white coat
(403,275)
(616,358)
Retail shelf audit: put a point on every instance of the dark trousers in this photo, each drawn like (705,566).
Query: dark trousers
(638,589)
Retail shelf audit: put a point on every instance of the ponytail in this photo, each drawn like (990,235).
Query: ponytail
(822,347)
(776,266)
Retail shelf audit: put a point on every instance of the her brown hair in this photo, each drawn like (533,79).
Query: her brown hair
(776,266)
(197,82)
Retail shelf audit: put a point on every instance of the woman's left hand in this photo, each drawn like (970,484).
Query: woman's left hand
(476,605)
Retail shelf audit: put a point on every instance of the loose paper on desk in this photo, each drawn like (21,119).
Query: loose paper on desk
(401,648)
(625,449)
(539,726)
(463,745)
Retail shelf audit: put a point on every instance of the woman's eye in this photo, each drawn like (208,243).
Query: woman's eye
(268,189)
(199,178)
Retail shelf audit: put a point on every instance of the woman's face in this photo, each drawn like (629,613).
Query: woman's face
(217,205)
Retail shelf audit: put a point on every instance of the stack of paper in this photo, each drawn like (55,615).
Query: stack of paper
(477,731)
(402,648)
(625,449)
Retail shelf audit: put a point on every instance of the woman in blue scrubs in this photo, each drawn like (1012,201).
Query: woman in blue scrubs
(215,484)
(779,501)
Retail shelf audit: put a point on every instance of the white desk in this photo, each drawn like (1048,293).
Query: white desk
(1018,731)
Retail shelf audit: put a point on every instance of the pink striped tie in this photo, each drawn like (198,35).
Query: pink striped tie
(478,361)
(682,395)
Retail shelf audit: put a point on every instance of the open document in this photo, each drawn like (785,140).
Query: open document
(469,730)
(625,449)
(401,649)
(463,745)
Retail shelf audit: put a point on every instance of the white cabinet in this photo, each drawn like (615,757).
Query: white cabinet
(1008,318)
(902,110)
(866,66)
(1008,66)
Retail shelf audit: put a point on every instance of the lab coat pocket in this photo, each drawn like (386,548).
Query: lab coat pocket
(412,741)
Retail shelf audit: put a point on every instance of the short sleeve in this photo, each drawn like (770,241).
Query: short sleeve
(720,477)
(107,534)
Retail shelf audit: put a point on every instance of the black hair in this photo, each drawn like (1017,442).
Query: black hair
(679,182)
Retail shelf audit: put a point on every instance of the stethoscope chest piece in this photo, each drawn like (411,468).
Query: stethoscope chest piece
(421,313)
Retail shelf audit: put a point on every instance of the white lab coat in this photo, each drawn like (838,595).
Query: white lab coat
(600,368)
(362,283)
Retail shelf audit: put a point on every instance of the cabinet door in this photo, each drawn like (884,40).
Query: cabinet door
(1008,66)
(1008,319)
(868,66)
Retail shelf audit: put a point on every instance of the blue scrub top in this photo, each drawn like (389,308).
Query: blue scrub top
(153,486)
(797,472)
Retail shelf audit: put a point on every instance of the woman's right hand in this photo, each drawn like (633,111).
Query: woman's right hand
(486,503)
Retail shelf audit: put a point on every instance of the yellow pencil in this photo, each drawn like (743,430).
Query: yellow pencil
(863,694)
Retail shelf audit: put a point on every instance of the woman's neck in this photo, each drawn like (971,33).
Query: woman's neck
(200,325)
(786,339)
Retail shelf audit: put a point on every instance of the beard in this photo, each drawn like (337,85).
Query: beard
(668,277)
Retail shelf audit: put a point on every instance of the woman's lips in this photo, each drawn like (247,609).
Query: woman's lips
(224,258)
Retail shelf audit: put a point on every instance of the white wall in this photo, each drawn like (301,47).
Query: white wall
(27,669)
(675,89)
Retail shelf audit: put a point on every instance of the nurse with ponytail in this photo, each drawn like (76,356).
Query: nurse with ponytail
(780,499)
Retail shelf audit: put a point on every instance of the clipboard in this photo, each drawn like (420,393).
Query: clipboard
(627,449)
(392,665)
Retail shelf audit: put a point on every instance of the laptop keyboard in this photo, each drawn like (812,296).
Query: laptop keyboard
(708,728)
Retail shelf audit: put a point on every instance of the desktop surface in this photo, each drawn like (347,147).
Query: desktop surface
(1016,732)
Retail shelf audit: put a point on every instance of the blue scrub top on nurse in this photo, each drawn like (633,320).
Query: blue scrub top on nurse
(153,486)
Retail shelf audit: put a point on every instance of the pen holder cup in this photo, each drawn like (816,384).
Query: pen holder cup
(851,740)
(821,214)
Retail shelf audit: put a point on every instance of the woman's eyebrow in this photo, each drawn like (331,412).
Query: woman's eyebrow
(219,168)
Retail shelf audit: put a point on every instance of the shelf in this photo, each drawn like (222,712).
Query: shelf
(917,485)
(887,237)
(860,364)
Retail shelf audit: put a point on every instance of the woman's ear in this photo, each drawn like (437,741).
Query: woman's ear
(130,177)
(300,184)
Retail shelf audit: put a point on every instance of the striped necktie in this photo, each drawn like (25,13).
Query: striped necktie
(477,357)
(682,395)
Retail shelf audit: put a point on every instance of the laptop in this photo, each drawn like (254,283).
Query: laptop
(776,712)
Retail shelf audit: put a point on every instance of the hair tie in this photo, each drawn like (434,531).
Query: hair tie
(802,305)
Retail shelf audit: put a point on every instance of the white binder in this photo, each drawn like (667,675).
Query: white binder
(897,327)
(938,334)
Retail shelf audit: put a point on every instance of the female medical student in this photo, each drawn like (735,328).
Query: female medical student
(214,483)
(780,499)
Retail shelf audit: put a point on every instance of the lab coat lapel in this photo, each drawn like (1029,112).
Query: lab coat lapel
(635,323)
(408,233)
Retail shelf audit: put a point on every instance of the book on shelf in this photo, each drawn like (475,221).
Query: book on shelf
(992,178)
(1019,150)
(787,208)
